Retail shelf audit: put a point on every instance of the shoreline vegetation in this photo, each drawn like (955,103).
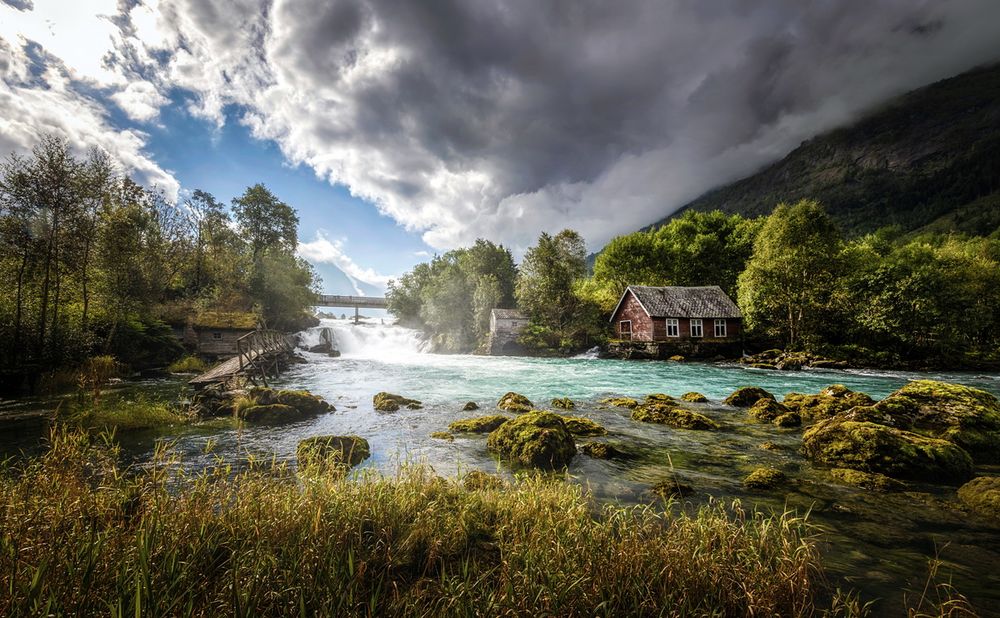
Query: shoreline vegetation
(81,534)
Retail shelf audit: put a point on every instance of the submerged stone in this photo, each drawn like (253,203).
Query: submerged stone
(871,447)
(337,451)
(830,401)
(866,480)
(388,402)
(982,495)
(764,478)
(621,402)
(694,397)
(515,402)
(479,424)
(563,403)
(535,438)
(443,435)
(470,406)
(579,426)
(600,450)
(477,480)
(675,417)
(747,396)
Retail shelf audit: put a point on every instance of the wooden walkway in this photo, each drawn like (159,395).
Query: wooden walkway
(259,353)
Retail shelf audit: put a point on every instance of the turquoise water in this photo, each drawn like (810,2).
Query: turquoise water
(879,543)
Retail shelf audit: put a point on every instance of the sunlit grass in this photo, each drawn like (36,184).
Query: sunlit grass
(188,364)
(124,413)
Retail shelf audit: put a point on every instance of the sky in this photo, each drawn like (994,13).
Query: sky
(403,129)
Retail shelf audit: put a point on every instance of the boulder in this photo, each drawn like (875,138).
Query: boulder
(747,396)
(579,426)
(600,450)
(303,401)
(765,478)
(470,406)
(828,402)
(621,402)
(563,403)
(515,402)
(664,414)
(535,438)
(479,424)
(677,358)
(866,480)
(788,419)
(336,451)
(388,402)
(694,397)
(659,398)
(982,495)
(871,447)
(767,410)
(271,413)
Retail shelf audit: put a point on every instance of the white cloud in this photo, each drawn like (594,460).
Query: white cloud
(140,100)
(326,250)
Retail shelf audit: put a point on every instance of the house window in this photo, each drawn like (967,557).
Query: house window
(625,329)
(673,328)
(216,335)
(720,328)
(696,328)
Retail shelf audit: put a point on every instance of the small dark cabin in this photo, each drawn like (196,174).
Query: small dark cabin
(666,314)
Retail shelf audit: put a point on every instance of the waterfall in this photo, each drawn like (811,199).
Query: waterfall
(370,339)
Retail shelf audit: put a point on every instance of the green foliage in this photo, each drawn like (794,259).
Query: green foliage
(187,364)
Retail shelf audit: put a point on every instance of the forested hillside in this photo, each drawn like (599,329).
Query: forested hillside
(928,159)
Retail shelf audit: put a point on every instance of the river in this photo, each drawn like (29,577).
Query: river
(878,543)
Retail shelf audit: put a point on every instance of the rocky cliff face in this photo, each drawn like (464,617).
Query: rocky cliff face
(930,158)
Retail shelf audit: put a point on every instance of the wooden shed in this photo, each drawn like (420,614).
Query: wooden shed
(673,314)
(505,327)
(214,333)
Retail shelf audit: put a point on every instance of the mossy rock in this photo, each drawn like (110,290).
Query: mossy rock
(677,358)
(671,488)
(866,480)
(515,402)
(982,495)
(601,450)
(694,397)
(765,478)
(767,410)
(470,406)
(967,416)
(271,414)
(303,401)
(443,435)
(479,424)
(675,417)
(871,447)
(338,451)
(788,419)
(477,480)
(747,396)
(388,402)
(659,398)
(563,403)
(830,401)
(580,426)
(621,402)
(770,446)
(768,366)
(536,438)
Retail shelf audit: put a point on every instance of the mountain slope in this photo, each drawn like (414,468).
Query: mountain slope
(930,157)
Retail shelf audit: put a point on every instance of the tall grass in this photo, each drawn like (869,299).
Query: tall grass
(123,412)
(81,535)
(188,364)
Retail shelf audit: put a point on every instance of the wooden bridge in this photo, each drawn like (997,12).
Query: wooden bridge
(259,353)
(358,302)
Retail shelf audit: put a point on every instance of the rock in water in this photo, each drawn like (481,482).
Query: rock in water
(664,414)
(830,401)
(765,478)
(536,438)
(333,451)
(871,447)
(579,426)
(694,397)
(866,480)
(767,410)
(982,495)
(271,414)
(747,396)
(480,424)
(470,406)
(563,403)
(515,402)
(600,450)
(621,402)
(388,402)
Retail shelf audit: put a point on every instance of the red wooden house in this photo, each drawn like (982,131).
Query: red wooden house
(676,314)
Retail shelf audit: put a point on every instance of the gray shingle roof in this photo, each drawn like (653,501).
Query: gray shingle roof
(508,314)
(685,302)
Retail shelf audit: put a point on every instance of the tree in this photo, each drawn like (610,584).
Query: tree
(787,284)
(545,285)
(267,223)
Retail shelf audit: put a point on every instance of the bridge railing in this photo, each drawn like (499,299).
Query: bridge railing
(260,342)
(337,300)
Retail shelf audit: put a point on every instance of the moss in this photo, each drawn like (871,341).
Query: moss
(305,402)
(563,403)
(536,438)
(767,410)
(470,406)
(871,447)
(866,480)
(621,402)
(788,419)
(479,424)
(677,358)
(982,495)
(828,402)
(770,446)
(388,402)
(600,450)
(338,451)
(515,402)
(271,413)
(762,366)
(477,480)
(694,397)
(675,417)
(746,396)
(579,426)
(765,478)
(671,488)
(443,435)
(659,398)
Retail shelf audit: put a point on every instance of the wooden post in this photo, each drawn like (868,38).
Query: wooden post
(357,316)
